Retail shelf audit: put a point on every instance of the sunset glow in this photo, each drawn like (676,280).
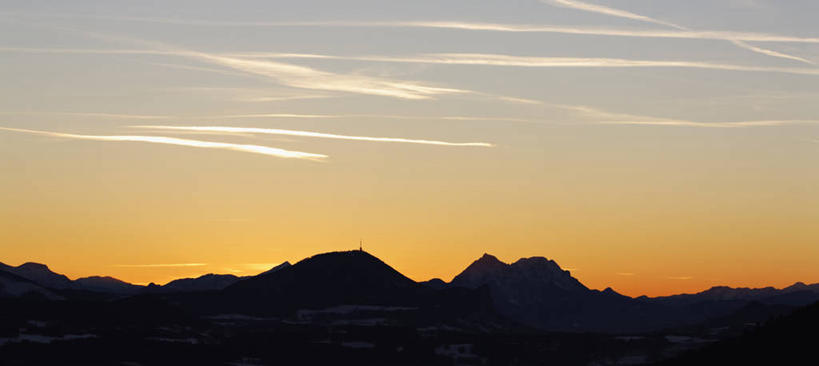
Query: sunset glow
(654,147)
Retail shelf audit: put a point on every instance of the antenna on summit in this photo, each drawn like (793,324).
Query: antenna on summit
(360,245)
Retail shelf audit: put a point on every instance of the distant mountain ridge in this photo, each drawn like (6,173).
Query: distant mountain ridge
(106,284)
(534,292)
(45,278)
(210,281)
(12,285)
(537,292)
(725,293)
(40,274)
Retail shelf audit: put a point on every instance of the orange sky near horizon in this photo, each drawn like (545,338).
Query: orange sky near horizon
(81,213)
(654,149)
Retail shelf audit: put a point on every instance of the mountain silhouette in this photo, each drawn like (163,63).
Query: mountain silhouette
(798,294)
(533,292)
(208,282)
(537,292)
(12,286)
(202,283)
(276,268)
(39,274)
(107,285)
(344,285)
(535,270)
(324,280)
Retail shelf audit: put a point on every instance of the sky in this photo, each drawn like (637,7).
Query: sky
(651,146)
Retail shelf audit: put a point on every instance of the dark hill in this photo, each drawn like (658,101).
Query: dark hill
(324,280)
(106,284)
(202,283)
(14,286)
(39,274)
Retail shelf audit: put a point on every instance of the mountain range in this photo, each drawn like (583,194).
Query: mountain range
(531,292)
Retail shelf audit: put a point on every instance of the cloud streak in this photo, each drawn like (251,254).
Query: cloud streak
(308,78)
(478,26)
(279,116)
(495,27)
(733,124)
(161,265)
(289,74)
(481,59)
(610,118)
(255,149)
(272,131)
(599,9)
(286,74)
(93,115)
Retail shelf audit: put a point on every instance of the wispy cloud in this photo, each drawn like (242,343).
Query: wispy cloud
(272,131)
(247,94)
(291,75)
(302,77)
(627,274)
(256,149)
(477,26)
(368,116)
(594,8)
(279,116)
(548,62)
(308,78)
(161,265)
(733,124)
(495,27)
(680,278)
(92,115)
(612,118)
(581,30)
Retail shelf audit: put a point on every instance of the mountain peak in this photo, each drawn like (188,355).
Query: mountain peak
(486,266)
(538,261)
(323,280)
(33,266)
(277,268)
(42,275)
(489,259)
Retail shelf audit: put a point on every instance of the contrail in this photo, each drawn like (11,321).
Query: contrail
(477,26)
(161,265)
(612,118)
(493,27)
(92,114)
(527,61)
(579,5)
(284,116)
(600,9)
(272,131)
(308,78)
(256,149)
(733,124)
(369,116)
(411,91)
(286,74)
